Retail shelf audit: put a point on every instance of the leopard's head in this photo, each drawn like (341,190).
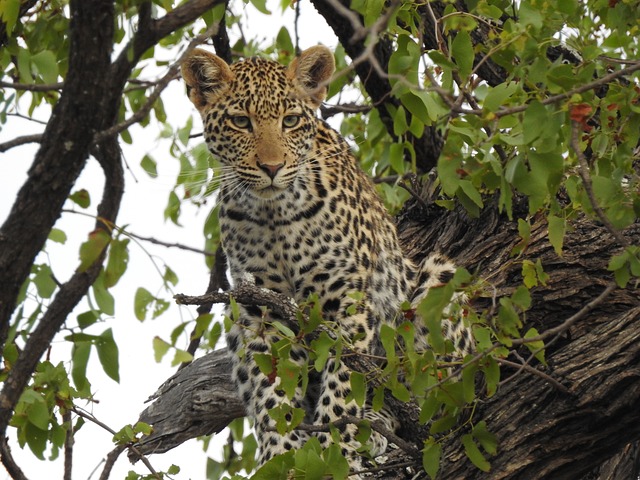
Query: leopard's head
(258,115)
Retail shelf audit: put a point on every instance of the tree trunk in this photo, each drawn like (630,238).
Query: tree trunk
(559,421)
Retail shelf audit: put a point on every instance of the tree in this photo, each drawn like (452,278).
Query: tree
(528,110)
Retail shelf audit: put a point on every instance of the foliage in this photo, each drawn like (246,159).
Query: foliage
(558,125)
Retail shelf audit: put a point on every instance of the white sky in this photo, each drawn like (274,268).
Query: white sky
(142,210)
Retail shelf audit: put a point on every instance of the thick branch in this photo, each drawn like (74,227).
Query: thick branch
(597,361)
(70,293)
(63,151)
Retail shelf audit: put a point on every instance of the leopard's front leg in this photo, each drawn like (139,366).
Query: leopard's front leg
(252,334)
(358,332)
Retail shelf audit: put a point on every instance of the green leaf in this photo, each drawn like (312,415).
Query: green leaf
(58,236)
(338,465)
(261,6)
(108,354)
(81,198)
(400,125)
(491,371)
(530,279)
(289,374)
(536,119)
(265,362)
(474,454)
(462,51)
(483,337)
(104,299)
(9,12)
(160,348)
(388,340)
(80,358)
(487,440)
(38,413)
(521,297)
(358,387)
(472,192)
(283,329)
(117,262)
(557,227)
(180,357)
(37,439)
(430,309)
(91,250)
(47,65)
(429,408)
(150,166)
(87,319)
(141,302)
(322,348)
(277,468)
(440,60)
(431,457)
(536,347)
(400,391)
(498,95)
(43,280)
(469,382)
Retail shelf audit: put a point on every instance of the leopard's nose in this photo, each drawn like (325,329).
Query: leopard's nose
(270,168)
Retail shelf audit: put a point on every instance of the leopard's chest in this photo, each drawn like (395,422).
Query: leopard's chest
(302,250)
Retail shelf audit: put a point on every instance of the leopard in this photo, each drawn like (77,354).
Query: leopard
(298,216)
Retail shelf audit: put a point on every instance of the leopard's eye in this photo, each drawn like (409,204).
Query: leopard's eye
(241,121)
(290,121)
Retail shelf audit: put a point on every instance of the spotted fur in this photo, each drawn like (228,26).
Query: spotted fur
(300,216)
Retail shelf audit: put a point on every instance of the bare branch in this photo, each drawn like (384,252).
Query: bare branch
(68,446)
(130,446)
(249,294)
(16,142)
(110,461)
(9,463)
(169,245)
(534,371)
(32,87)
(569,322)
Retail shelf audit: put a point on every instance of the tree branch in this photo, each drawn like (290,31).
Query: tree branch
(583,170)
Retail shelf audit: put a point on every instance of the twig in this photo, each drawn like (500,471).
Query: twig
(563,96)
(68,446)
(583,170)
(327,111)
(171,74)
(376,425)
(24,117)
(16,142)
(564,326)
(130,446)
(32,87)
(168,244)
(525,367)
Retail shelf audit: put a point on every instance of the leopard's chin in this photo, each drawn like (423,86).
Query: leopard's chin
(271,192)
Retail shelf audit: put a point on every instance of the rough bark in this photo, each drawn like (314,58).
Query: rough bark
(544,432)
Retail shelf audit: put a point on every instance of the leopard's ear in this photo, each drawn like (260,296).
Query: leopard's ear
(206,76)
(311,72)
